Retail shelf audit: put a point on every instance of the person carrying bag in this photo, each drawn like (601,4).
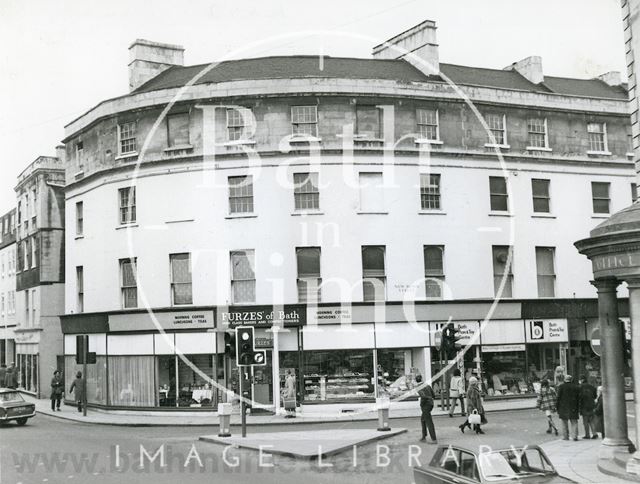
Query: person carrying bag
(474,408)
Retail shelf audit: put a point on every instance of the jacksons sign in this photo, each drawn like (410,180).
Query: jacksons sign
(263,316)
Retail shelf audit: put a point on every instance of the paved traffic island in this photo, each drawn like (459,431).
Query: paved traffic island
(315,444)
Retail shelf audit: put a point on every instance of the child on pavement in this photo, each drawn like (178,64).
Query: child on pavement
(547,403)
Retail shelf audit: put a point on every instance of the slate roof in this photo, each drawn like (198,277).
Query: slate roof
(296,67)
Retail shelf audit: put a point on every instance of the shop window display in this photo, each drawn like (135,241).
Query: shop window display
(27,367)
(469,367)
(96,378)
(131,382)
(395,375)
(505,373)
(338,375)
(182,384)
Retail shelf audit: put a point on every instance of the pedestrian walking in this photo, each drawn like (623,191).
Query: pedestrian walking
(427,397)
(599,413)
(290,393)
(78,388)
(547,403)
(57,391)
(11,377)
(456,392)
(588,395)
(568,405)
(474,405)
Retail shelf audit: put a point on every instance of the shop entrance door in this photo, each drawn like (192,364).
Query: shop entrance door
(262,384)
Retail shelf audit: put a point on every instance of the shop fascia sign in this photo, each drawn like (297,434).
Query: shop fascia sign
(166,320)
(466,330)
(27,337)
(330,315)
(546,331)
(263,316)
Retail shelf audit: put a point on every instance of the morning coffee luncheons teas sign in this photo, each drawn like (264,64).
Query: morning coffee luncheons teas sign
(263,316)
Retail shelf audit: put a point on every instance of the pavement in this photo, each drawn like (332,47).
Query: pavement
(132,418)
(305,445)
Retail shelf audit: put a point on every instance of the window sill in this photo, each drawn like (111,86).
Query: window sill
(431,212)
(178,148)
(239,142)
(500,214)
(599,153)
(539,148)
(179,221)
(304,139)
(241,215)
(126,226)
(495,145)
(304,213)
(78,237)
(600,215)
(426,141)
(543,215)
(126,156)
(362,212)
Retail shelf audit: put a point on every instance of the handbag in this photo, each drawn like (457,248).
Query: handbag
(475,418)
(548,413)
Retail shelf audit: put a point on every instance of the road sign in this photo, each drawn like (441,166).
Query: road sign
(595,342)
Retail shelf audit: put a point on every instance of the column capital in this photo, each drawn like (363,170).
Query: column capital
(606,284)
(633,283)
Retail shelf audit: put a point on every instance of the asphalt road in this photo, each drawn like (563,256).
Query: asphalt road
(56,451)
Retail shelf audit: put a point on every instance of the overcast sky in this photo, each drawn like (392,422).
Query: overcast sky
(61,58)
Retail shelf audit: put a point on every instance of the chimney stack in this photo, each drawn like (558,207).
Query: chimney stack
(613,78)
(61,153)
(148,59)
(529,68)
(418,46)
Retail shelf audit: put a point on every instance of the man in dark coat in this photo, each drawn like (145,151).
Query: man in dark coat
(588,397)
(57,390)
(78,386)
(11,377)
(568,406)
(427,397)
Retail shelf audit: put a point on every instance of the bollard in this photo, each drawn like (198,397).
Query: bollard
(224,414)
(383,405)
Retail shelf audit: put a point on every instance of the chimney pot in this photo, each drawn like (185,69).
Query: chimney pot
(613,78)
(417,45)
(529,68)
(148,59)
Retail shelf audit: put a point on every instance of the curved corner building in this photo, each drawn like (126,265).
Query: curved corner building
(354,204)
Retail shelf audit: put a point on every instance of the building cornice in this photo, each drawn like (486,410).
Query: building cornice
(345,87)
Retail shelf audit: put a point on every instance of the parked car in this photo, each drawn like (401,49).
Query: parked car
(14,407)
(451,464)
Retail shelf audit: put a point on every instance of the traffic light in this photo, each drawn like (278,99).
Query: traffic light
(450,338)
(83,355)
(230,344)
(245,350)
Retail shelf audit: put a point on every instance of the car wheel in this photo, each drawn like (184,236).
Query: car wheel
(22,421)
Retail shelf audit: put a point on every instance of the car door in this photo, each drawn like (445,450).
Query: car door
(449,466)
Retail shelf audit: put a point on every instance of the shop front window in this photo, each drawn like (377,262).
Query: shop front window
(96,378)
(194,381)
(338,375)
(395,374)
(131,381)
(28,373)
(186,383)
(469,366)
(505,372)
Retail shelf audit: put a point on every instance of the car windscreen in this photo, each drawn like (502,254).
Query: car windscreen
(10,397)
(514,463)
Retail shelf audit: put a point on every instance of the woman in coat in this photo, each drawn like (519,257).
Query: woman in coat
(547,403)
(456,392)
(599,414)
(474,402)
(78,386)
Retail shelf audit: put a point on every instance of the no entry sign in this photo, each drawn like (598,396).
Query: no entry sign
(595,341)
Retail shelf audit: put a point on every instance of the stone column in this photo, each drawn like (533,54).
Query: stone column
(612,366)
(634,308)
